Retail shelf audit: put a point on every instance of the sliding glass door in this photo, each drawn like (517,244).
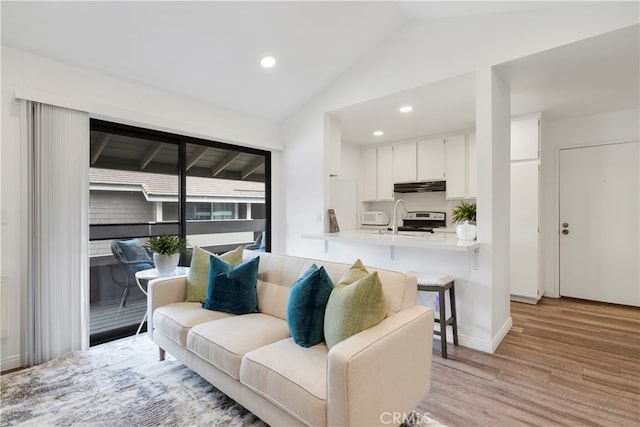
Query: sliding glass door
(145,183)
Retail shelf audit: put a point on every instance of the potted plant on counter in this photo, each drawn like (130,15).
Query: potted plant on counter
(464,217)
(166,251)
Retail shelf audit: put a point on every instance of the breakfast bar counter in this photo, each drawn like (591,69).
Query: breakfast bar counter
(438,241)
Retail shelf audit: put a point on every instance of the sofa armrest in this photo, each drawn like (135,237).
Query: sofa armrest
(163,291)
(382,371)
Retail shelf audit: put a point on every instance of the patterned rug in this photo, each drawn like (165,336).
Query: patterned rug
(121,383)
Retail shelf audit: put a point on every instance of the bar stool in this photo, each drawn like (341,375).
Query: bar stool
(440,285)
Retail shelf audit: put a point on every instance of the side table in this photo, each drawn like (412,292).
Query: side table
(150,274)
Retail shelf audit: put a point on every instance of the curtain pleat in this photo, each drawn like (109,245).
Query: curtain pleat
(58,232)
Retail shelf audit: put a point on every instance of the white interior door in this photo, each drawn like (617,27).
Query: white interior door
(599,223)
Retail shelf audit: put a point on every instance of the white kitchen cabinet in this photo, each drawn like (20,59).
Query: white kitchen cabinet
(525,138)
(370,168)
(455,151)
(472,167)
(430,155)
(378,178)
(524,207)
(385,173)
(524,248)
(404,162)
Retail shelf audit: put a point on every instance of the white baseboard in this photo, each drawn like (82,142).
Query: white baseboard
(501,334)
(526,300)
(474,343)
(483,345)
(11,362)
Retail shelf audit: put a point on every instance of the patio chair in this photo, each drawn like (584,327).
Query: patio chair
(133,257)
(259,244)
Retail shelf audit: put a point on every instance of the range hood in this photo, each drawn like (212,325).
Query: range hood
(419,186)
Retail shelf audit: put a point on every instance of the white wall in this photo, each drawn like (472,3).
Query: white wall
(610,127)
(420,54)
(107,98)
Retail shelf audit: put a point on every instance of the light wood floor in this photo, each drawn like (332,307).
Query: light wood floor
(564,362)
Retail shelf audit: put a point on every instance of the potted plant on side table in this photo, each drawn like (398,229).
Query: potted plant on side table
(463,217)
(166,252)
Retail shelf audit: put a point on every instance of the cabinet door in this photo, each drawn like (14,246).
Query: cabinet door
(385,173)
(524,230)
(525,138)
(456,167)
(472,167)
(370,167)
(430,159)
(404,162)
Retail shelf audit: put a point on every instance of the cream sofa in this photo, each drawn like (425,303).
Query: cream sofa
(365,380)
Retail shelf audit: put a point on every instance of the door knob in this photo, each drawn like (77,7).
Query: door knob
(565,224)
(565,231)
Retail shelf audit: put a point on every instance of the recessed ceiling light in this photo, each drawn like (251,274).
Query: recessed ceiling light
(268,61)
(378,133)
(406,109)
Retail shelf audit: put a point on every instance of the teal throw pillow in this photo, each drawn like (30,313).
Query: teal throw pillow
(232,289)
(306,306)
(198,277)
(133,250)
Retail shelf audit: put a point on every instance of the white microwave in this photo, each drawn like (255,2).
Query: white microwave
(374,218)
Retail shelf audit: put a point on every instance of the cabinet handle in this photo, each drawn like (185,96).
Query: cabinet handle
(565,231)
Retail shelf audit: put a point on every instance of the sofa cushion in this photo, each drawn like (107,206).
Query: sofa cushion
(354,306)
(198,277)
(223,342)
(175,320)
(232,289)
(307,304)
(278,272)
(292,377)
(134,250)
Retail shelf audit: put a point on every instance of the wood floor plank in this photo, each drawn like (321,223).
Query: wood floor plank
(565,362)
(618,382)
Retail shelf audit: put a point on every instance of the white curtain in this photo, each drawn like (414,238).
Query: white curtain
(56,196)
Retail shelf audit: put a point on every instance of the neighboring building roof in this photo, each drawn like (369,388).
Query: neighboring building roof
(160,187)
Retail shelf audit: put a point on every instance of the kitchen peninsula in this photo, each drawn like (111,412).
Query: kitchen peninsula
(425,254)
(437,241)
(441,241)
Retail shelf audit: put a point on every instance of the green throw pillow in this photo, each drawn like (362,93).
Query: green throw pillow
(356,272)
(306,306)
(232,289)
(355,304)
(198,276)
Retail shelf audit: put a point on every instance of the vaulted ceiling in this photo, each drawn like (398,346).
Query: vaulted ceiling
(210,51)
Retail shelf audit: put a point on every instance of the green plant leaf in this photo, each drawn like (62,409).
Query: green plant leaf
(465,211)
(167,244)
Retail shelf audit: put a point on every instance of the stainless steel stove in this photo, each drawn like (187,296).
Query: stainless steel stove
(424,221)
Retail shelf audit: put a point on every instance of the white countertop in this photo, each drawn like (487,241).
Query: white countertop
(443,241)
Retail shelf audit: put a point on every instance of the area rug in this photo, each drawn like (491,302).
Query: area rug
(121,383)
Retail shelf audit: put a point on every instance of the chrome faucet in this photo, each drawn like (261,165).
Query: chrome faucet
(394,223)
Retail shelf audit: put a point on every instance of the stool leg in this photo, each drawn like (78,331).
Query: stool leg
(443,324)
(452,296)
